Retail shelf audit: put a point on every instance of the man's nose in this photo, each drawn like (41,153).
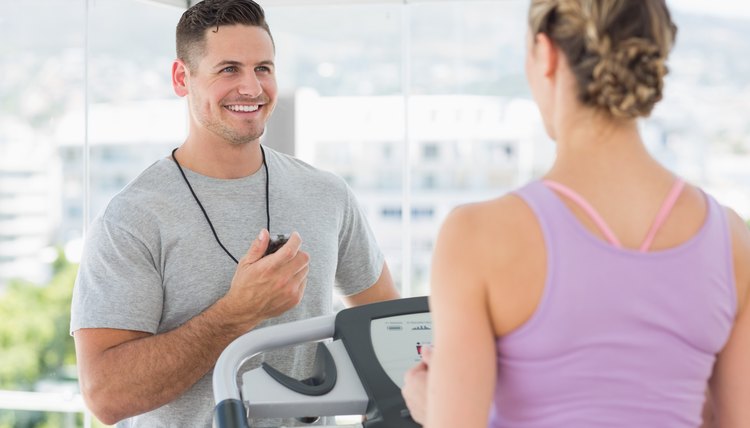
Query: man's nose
(250,86)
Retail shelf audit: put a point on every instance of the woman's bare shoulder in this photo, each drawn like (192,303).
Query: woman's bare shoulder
(508,214)
(492,231)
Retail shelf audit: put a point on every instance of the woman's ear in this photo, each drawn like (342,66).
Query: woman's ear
(546,54)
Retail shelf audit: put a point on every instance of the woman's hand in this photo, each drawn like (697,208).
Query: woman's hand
(415,387)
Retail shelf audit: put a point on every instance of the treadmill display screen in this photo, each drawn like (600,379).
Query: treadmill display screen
(398,342)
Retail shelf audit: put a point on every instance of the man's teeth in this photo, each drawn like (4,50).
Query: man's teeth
(243,108)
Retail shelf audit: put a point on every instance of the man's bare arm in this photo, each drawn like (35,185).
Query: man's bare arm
(125,373)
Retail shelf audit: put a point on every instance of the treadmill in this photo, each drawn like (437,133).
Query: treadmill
(359,372)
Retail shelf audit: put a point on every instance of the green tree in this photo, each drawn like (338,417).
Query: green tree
(34,339)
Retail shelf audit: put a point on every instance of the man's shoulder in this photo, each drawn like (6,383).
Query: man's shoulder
(297,169)
(144,194)
(150,183)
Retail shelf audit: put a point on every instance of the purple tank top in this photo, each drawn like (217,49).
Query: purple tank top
(620,338)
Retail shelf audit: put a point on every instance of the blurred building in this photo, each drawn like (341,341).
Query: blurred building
(29,213)
(460,149)
(124,139)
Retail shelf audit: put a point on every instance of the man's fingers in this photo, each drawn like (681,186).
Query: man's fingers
(300,277)
(289,250)
(258,247)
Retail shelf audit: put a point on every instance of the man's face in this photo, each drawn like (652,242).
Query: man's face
(232,87)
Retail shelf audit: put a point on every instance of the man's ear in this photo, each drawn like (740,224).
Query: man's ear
(179,77)
(547,53)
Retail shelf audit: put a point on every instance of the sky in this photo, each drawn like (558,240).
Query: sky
(724,8)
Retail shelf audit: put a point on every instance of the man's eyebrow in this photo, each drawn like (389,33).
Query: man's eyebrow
(233,63)
(227,63)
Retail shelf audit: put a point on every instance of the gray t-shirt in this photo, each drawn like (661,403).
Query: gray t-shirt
(151,262)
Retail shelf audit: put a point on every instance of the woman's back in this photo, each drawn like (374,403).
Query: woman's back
(542,322)
(618,337)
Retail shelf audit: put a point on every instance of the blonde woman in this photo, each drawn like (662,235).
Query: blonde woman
(609,293)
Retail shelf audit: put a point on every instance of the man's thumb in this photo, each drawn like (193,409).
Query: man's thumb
(258,247)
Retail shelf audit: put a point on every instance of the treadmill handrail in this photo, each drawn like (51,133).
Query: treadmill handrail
(264,339)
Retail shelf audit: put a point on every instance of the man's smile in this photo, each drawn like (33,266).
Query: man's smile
(243,108)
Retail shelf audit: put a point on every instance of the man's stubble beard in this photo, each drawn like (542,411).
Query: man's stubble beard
(226,132)
(231,136)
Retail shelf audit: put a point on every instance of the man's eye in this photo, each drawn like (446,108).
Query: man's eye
(263,69)
(230,69)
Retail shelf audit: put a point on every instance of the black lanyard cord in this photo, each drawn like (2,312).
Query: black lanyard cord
(205,214)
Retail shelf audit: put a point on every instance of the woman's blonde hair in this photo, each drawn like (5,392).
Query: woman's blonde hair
(617,49)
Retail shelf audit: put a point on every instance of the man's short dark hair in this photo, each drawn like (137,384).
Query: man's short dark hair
(191,30)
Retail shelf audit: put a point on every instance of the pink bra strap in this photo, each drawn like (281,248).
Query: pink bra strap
(664,211)
(575,197)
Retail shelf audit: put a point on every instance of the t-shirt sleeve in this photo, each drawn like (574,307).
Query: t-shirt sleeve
(360,259)
(118,284)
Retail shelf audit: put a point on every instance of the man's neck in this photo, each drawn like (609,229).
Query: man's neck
(219,159)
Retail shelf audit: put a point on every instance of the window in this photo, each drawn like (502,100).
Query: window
(418,105)
(391,212)
(430,151)
(471,130)
(42,79)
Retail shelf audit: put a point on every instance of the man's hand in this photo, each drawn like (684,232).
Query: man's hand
(266,287)
(415,387)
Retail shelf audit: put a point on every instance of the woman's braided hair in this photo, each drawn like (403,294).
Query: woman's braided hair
(617,49)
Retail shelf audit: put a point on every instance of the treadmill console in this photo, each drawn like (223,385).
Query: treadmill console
(383,341)
(398,342)
(359,372)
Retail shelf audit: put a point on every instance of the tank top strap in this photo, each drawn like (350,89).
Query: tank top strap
(661,216)
(664,211)
(587,208)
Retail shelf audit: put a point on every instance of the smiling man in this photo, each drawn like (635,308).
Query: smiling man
(176,267)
